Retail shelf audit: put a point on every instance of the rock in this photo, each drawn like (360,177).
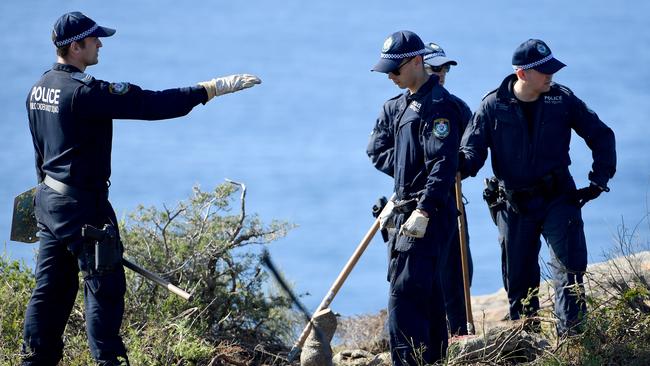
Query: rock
(498,345)
(500,341)
(382,359)
(355,357)
(317,350)
(489,310)
(360,357)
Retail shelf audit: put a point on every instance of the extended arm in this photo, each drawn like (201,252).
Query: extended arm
(127,101)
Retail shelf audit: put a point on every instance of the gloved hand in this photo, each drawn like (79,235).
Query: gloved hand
(586,194)
(229,84)
(386,216)
(415,226)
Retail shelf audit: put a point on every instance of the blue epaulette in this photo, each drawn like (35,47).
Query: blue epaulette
(82,77)
(396,97)
(564,89)
(488,93)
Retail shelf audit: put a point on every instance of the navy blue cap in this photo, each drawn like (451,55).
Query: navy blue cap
(436,56)
(397,47)
(74,26)
(535,54)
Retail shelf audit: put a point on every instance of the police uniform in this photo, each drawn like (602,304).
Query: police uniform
(423,163)
(530,159)
(380,150)
(71,120)
(452,271)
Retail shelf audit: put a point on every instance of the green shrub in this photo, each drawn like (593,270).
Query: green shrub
(201,246)
(16,284)
(617,327)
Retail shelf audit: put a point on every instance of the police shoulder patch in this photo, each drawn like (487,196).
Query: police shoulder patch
(118,88)
(441,127)
(82,77)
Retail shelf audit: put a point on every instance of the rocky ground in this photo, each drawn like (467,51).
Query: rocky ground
(364,337)
(490,310)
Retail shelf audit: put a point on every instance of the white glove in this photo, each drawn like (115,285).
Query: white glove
(415,226)
(229,84)
(386,215)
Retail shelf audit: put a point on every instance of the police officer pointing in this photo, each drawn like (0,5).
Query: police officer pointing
(71,120)
(526,123)
(422,125)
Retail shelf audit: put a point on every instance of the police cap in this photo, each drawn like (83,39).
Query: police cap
(397,47)
(436,56)
(535,54)
(75,26)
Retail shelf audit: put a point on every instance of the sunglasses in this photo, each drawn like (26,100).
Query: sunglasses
(440,68)
(396,71)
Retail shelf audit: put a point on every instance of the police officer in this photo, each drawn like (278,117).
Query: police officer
(437,63)
(526,123)
(71,120)
(422,125)
(381,149)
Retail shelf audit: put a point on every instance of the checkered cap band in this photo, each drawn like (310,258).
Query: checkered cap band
(403,55)
(534,64)
(78,37)
(434,54)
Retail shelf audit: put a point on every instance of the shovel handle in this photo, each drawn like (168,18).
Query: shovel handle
(462,233)
(156,279)
(336,286)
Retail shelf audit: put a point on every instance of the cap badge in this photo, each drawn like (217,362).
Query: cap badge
(387,43)
(441,127)
(542,49)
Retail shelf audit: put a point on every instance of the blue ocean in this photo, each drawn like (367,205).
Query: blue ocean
(298,140)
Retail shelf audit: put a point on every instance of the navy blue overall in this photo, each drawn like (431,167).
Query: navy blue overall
(381,150)
(70,118)
(424,161)
(532,166)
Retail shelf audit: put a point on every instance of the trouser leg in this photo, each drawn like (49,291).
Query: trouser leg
(520,240)
(104,307)
(104,301)
(416,317)
(564,232)
(453,285)
(51,302)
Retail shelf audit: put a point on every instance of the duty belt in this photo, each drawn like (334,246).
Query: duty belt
(70,191)
(548,186)
(405,206)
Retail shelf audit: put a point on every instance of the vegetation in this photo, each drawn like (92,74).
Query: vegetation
(235,317)
(616,329)
(16,284)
